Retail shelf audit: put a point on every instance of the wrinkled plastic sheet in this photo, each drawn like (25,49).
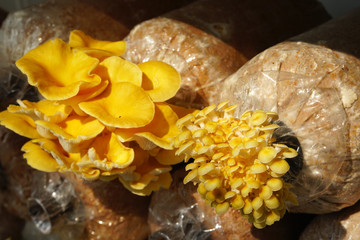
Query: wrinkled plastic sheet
(174,214)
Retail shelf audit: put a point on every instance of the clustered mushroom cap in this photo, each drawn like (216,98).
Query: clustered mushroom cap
(236,162)
(102,117)
(57,71)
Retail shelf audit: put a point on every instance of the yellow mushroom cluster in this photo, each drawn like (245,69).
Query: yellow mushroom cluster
(236,162)
(101,116)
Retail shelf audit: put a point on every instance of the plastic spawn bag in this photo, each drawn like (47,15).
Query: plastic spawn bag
(181,213)
(248,26)
(196,55)
(339,225)
(111,211)
(210,66)
(55,210)
(25,29)
(175,213)
(315,91)
(192,39)
(42,200)
(15,174)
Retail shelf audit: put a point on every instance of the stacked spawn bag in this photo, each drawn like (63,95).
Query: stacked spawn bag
(343,224)
(181,213)
(99,227)
(21,31)
(248,26)
(203,62)
(312,82)
(192,39)
(315,90)
(26,29)
(104,20)
(112,210)
(13,208)
(15,178)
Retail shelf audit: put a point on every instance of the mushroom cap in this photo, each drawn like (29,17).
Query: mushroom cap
(121,105)
(58,72)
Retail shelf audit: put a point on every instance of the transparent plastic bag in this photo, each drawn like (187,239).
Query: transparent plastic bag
(251,26)
(194,39)
(25,29)
(315,91)
(181,213)
(15,175)
(111,211)
(196,55)
(55,209)
(45,201)
(339,225)
(175,213)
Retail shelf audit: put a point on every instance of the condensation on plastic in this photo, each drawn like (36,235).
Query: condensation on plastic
(15,174)
(344,225)
(198,57)
(25,29)
(174,214)
(54,206)
(315,92)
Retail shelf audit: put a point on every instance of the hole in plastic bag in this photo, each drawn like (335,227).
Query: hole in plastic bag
(286,136)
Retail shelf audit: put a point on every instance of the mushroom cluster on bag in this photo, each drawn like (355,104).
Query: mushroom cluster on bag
(315,92)
(102,116)
(291,143)
(343,224)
